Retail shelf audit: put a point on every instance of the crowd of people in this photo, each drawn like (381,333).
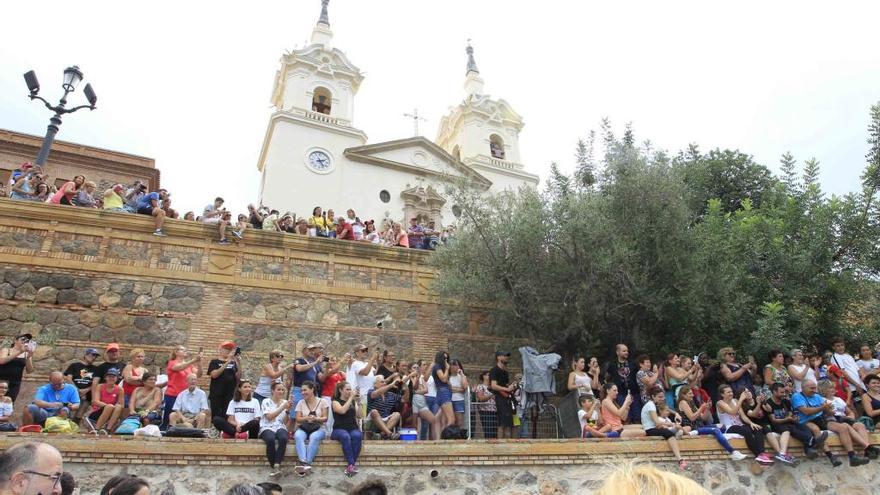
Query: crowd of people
(801,395)
(31,183)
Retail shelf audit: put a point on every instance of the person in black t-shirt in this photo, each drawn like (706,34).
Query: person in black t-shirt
(225,373)
(499,384)
(388,370)
(111,360)
(783,419)
(80,374)
(622,372)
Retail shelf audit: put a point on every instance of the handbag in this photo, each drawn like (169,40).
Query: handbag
(309,427)
(129,425)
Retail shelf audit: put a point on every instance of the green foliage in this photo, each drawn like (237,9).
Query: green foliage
(696,252)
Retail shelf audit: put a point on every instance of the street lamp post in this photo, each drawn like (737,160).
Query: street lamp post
(72,77)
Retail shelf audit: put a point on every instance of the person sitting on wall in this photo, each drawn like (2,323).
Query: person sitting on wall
(107,406)
(191,406)
(84,197)
(416,234)
(149,205)
(133,196)
(56,398)
(243,413)
(380,407)
(146,401)
(6,408)
(113,200)
(80,373)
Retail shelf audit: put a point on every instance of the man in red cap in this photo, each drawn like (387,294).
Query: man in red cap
(111,360)
(225,371)
(113,198)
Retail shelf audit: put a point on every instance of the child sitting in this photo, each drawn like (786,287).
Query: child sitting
(6,423)
(588,415)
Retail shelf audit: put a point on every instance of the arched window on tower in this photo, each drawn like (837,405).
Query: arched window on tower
(496,146)
(322,100)
(456,153)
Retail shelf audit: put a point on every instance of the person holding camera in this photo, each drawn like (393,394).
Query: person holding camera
(15,360)
(133,196)
(225,371)
(345,427)
(272,430)
(362,372)
(255,217)
(216,214)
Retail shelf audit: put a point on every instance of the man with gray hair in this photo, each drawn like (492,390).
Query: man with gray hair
(244,489)
(31,468)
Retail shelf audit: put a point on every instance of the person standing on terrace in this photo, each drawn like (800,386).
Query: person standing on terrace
(225,371)
(179,367)
(15,361)
(68,191)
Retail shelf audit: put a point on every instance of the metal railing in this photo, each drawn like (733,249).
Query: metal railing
(483,425)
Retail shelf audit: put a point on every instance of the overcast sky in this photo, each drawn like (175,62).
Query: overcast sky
(188,83)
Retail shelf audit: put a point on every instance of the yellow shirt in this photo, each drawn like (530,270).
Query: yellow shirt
(112,201)
(319,223)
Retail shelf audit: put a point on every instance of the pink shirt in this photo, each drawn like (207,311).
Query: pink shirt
(177,379)
(68,189)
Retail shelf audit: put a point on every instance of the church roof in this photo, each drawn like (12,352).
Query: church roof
(368,153)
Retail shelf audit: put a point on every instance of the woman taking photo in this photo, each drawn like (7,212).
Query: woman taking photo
(420,408)
(179,367)
(458,383)
(311,414)
(242,414)
(734,420)
(15,361)
(345,427)
(799,370)
(440,373)
(272,430)
(738,376)
(775,370)
(225,371)
(146,401)
(596,381)
(578,379)
(614,416)
(271,374)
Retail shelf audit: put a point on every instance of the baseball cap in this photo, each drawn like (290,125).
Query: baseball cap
(26,335)
(112,371)
(92,350)
(502,353)
(25,166)
(315,345)
(112,347)
(228,344)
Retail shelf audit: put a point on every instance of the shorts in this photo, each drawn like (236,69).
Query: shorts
(458,406)
(444,396)
(820,422)
(432,404)
(419,403)
(211,220)
(145,210)
(504,411)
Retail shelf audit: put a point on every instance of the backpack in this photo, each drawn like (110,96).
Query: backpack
(451,432)
(128,425)
(57,424)
(184,432)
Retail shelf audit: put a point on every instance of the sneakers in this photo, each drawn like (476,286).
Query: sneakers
(300,469)
(871,452)
(350,471)
(764,459)
(276,471)
(159,232)
(811,454)
(237,234)
(737,456)
(785,459)
(858,460)
(682,464)
(354,468)
(835,461)
(307,468)
(224,241)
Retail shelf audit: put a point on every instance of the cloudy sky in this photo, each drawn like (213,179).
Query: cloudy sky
(188,83)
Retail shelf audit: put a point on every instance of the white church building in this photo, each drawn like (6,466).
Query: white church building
(312,154)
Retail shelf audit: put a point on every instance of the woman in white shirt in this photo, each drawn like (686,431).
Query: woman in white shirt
(867,363)
(311,414)
(458,383)
(272,430)
(272,373)
(799,370)
(420,407)
(242,414)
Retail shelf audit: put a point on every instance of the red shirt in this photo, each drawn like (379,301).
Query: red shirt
(128,388)
(330,383)
(344,226)
(177,379)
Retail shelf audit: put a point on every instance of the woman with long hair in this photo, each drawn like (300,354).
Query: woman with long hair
(486,407)
(345,428)
(15,360)
(458,383)
(699,419)
(68,191)
(243,413)
(613,415)
(311,414)
(799,370)
(656,424)
(440,373)
(578,379)
(132,373)
(595,372)
(272,430)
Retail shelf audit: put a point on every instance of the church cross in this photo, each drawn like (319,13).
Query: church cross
(415,118)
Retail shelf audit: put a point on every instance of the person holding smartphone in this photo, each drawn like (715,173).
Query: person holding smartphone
(225,371)
(15,361)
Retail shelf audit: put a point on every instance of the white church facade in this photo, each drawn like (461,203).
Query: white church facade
(312,154)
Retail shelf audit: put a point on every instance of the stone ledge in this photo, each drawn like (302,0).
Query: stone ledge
(176,451)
